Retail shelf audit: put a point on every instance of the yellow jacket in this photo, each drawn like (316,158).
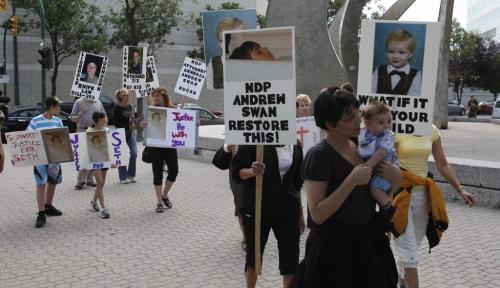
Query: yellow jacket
(438,218)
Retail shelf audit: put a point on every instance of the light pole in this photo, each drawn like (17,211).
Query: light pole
(41,11)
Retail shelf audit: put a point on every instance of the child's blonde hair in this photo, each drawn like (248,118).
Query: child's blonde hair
(400,36)
(374,108)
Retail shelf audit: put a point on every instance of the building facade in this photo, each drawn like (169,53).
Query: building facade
(483,17)
(169,59)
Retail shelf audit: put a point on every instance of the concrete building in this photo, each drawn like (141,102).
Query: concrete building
(168,59)
(483,17)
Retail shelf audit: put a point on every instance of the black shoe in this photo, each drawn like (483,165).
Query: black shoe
(167,202)
(79,185)
(40,220)
(159,208)
(52,211)
(91,184)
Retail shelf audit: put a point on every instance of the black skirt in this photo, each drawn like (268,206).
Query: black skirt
(347,256)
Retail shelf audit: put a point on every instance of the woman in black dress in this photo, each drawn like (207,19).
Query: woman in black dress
(347,246)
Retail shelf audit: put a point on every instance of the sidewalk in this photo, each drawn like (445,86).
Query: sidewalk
(195,244)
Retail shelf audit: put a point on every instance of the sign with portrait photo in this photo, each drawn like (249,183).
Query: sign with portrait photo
(171,128)
(191,78)
(99,149)
(134,67)
(39,147)
(259,87)
(214,25)
(398,66)
(89,76)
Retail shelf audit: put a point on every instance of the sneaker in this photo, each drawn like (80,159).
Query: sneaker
(91,184)
(52,211)
(131,179)
(167,203)
(126,181)
(159,208)
(79,185)
(40,220)
(94,206)
(104,213)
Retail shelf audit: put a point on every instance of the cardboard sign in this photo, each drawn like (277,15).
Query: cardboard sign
(89,76)
(100,149)
(134,68)
(259,87)
(38,147)
(191,78)
(171,128)
(308,133)
(398,66)
(214,25)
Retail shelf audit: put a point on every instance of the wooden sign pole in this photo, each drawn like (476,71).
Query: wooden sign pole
(258,209)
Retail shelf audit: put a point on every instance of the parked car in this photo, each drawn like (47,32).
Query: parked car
(19,119)
(455,108)
(206,117)
(486,107)
(107,103)
(496,110)
(186,105)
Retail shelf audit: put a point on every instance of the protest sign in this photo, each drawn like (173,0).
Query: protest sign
(308,133)
(89,76)
(39,147)
(100,149)
(191,78)
(214,25)
(398,66)
(259,87)
(57,145)
(26,148)
(171,128)
(134,68)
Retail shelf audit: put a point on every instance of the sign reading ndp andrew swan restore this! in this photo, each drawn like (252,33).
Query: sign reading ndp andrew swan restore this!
(398,64)
(259,87)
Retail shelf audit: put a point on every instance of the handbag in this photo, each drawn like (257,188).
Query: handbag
(222,159)
(146,155)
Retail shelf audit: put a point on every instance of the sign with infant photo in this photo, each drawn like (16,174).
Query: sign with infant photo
(398,66)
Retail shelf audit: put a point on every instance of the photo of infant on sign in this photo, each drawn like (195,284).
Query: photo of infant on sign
(97,145)
(398,59)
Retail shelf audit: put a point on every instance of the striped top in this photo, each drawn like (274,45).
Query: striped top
(39,123)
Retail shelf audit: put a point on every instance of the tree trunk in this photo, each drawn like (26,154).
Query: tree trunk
(53,79)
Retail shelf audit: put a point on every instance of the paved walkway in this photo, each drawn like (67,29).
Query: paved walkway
(196,244)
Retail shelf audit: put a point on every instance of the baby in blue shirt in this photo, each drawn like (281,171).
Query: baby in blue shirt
(376,143)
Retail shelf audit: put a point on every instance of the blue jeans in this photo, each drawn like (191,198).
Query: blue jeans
(132,145)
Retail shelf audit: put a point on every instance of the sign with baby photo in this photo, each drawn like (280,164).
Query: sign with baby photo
(398,66)
(28,148)
(99,149)
(89,76)
(171,128)
(259,87)
(191,78)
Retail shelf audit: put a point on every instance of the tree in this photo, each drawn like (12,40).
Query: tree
(375,10)
(72,26)
(488,64)
(462,68)
(140,21)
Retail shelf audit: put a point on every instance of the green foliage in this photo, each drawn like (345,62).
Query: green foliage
(139,21)
(462,68)
(488,64)
(371,12)
(72,26)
